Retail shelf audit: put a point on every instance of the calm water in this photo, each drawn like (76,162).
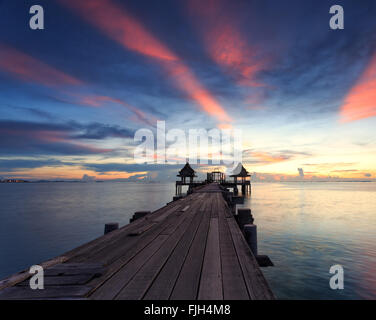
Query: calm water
(304,227)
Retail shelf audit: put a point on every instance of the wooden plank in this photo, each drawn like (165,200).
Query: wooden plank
(172,207)
(141,230)
(72,272)
(77,279)
(163,285)
(113,285)
(234,287)
(211,275)
(111,252)
(257,286)
(186,286)
(141,282)
(120,235)
(74,269)
(138,246)
(23,275)
(75,265)
(216,205)
(172,220)
(22,293)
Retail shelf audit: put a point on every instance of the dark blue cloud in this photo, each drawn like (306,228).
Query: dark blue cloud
(22,137)
(15,164)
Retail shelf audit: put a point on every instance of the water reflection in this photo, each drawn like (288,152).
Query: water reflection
(307,227)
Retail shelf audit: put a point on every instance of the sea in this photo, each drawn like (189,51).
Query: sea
(305,228)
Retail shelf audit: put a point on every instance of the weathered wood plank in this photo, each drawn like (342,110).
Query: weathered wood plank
(164,283)
(141,282)
(62,280)
(211,275)
(74,271)
(118,236)
(234,287)
(257,286)
(187,284)
(113,285)
(23,275)
(115,250)
(138,246)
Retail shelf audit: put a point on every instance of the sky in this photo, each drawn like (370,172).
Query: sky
(73,95)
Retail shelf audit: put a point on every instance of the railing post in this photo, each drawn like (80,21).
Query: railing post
(250,234)
(108,227)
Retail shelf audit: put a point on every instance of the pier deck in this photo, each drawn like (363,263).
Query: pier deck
(190,249)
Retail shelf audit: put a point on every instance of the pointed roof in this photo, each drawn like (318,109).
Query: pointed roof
(187,171)
(240,171)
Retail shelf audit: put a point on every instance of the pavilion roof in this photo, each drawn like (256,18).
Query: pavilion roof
(187,171)
(240,171)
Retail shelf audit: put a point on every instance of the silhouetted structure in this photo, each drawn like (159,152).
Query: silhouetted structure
(215,176)
(243,174)
(186,172)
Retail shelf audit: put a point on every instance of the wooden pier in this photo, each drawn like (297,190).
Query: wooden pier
(240,178)
(191,248)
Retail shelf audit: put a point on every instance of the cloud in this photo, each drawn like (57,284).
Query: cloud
(225,42)
(260,157)
(123,28)
(87,178)
(33,111)
(368,175)
(360,102)
(129,167)
(139,115)
(112,170)
(22,137)
(98,131)
(269,158)
(329,165)
(25,67)
(16,164)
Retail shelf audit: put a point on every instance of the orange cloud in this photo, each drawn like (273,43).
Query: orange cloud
(267,157)
(120,26)
(28,68)
(360,102)
(225,44)
(224,126)
(69,172)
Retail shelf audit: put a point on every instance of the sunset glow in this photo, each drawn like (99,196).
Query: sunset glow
(73,106)
(360,102)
